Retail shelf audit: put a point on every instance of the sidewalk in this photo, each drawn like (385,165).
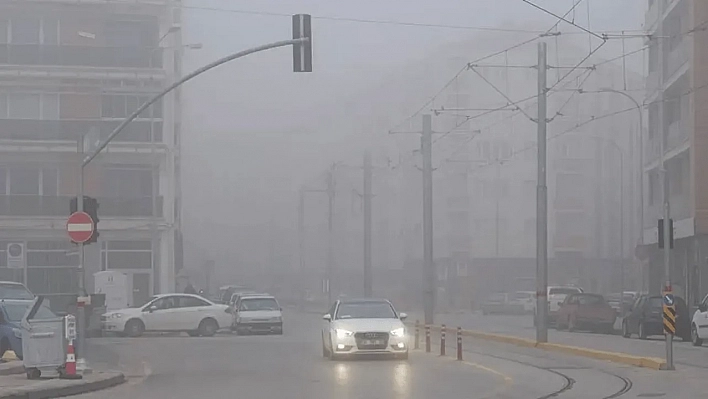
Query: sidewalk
(18,386)
(522,327)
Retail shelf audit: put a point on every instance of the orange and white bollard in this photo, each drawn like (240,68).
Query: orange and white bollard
(70,365)
(416,344)
(427,339)
(442,341)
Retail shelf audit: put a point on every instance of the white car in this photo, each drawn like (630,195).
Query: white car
(699,323)
(364,327)
(169,312)
(257,313)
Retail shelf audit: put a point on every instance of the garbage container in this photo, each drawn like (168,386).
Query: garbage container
(44,340)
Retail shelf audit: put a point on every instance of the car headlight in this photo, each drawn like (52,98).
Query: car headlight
(17,332)
(116,315)
(399,332)
(343,333)
(238,320)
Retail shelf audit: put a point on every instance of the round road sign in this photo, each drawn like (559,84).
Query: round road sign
(80,227)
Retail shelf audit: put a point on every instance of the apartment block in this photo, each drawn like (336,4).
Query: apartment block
(70,72)
(678,125)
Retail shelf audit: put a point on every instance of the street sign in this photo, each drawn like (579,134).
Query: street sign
(669,299)
(80,227)
(15,255)
(302,52)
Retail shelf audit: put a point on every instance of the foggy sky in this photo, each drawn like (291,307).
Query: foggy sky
(253,129)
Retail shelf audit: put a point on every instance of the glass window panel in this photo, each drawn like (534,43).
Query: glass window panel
(24,106)
(25,30)
(50,107)
(51,31)
(50,182)
(24,181)
(129,259)
(129,245)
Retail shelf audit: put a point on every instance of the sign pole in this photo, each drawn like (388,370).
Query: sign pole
(81,364)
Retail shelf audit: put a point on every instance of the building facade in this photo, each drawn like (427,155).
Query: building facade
(676,97)
(70,71)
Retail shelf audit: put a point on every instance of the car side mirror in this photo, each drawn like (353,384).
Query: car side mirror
(402,316)
(327,317)
(702,307)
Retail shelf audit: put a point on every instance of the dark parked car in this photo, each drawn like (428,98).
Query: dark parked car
(645,318)
(586,312)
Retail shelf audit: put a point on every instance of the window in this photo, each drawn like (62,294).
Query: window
(24,106)
(50,254)
(50,107)
(24,181)
(122,105)
(191,302)
(126,255)
(25,30)
(50,182)
(128,181)
(3,105)
(50,31)
(4,26)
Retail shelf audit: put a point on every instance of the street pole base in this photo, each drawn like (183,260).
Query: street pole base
(82,366)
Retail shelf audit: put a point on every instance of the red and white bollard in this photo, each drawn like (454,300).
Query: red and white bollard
(416,344)
(70,365)
(459,343)
(427,339)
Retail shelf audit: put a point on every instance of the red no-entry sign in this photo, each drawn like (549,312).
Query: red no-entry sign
(80,227)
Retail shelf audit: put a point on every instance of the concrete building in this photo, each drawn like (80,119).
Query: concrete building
(70,71)
(676,97)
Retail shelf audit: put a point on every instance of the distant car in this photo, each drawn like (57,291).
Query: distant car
(646,318)
(169,312)
(556,295)
(628,298)
(699,323)
(527,299)
(258,313)
(364,326)
(501,303)
(238,295)
(226,291)
(586,312)
(11,313)
(13,290)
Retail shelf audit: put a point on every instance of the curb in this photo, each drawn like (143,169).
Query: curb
(10,368)
(75,388)
(616,357)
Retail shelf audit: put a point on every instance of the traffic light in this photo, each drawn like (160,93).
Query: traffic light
(91,208)
(302,52)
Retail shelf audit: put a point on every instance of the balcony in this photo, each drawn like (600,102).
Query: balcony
(678,135)
(54,206)
(80,56)
(70,130)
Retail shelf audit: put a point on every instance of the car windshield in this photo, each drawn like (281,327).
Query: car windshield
(15,312)
(656,302)
(562,291)
(365,310)
(14,291)
(259,304)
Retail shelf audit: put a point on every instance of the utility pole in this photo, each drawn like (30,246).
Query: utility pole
(429,275)
(368,278)
(497,194)
(542,204)
(330,230)
(665,195)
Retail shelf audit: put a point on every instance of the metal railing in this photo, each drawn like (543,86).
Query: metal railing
(33,129)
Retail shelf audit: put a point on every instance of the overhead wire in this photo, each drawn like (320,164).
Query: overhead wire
(562,18)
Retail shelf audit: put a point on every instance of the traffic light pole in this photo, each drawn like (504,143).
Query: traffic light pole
(81,311)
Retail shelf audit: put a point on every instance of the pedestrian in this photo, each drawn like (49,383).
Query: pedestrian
(189,289)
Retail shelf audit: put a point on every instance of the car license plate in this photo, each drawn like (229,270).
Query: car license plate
(372,342)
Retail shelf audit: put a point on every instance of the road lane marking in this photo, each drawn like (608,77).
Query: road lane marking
(506,378)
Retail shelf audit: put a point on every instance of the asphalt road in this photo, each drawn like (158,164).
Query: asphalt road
(291,366)
(522,326)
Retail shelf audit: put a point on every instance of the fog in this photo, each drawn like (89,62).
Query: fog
(256,132)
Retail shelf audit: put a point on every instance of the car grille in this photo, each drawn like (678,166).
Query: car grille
(104,318)
(362,337)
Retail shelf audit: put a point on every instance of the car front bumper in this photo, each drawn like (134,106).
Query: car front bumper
(259,327)
(113,325)
(353,346)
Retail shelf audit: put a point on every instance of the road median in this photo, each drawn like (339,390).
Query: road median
(19,387)
(616,357)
